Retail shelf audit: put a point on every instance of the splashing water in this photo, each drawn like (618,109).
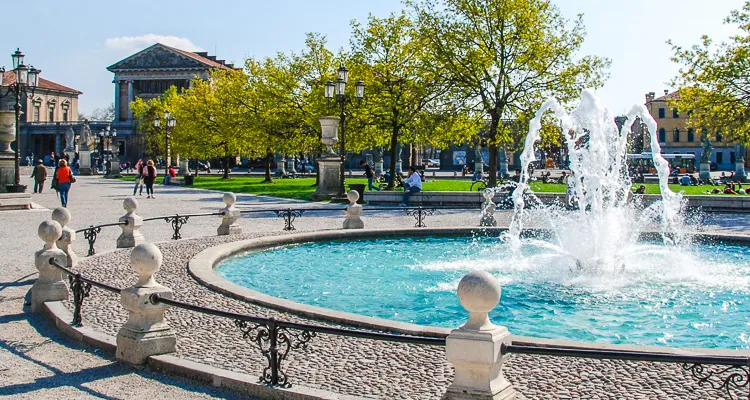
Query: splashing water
(604,226)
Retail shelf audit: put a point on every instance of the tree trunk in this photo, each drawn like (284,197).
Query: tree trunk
(269,157)
(414,155)
(226,164)
(392,167)
(493,152)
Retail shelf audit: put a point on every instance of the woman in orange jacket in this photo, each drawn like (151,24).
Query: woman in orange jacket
(64,177)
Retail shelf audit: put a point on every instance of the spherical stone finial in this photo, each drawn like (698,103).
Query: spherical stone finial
(146,260)
(229,198)
(488,194)
(479,292)
(353,196)
(130,204)
(49,231)
(61,215)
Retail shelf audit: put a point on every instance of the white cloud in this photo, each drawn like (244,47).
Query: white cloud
(131,44)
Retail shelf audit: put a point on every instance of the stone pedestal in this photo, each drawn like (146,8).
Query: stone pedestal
(329,182)
(114,168)
(290,167)
(488,209)
(131,232)
(231,215)
(7,156)
(353,212)
(85,163)
(65,243)
(475,348)
(146,333)
(739,172)
(49,286)
(479,167)
(705,171)
(378,168)
(184,170)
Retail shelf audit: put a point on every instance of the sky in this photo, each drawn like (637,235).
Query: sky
(74,41)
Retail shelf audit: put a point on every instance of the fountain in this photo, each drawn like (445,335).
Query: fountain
(604,227)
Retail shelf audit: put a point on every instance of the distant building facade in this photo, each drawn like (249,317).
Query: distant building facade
(148,74)
(46,116)
(676,138)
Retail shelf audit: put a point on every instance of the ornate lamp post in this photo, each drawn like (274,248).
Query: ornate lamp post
(25,82)
(107,138)
(170,123)
(337,90)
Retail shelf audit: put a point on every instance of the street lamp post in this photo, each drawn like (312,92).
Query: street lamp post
(25,78)
(170,123)
(106,137)
(337,90)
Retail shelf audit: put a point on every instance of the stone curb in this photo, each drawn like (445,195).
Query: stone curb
(58,314)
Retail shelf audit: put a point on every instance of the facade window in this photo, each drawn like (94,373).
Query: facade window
(65,115)
(676,136)
(720,157)
(662,135)
(36,113)
(691,135)
(51,116)
(732,157)
(675,114)
(662,113)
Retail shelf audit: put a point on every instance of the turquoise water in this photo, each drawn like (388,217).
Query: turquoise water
(695,296)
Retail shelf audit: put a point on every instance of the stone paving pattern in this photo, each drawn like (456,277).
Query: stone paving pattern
(344,365)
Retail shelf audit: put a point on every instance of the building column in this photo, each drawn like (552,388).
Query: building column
(117,100)
(130,99)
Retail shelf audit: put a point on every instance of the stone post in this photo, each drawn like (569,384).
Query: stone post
(705,172)
(65,243)
(50,285)
(7,156)
(131,232)
(184,170)
(488,209)
(474,349)
(353,212)
(329,164)
(146,333)
(229,225)
(739,173)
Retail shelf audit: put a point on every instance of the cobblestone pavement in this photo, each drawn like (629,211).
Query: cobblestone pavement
(32,353)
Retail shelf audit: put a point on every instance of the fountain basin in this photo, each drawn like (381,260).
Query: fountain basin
(411,288)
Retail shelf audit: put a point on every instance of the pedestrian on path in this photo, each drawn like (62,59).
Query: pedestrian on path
(40,175)
(149,176)
(138,177)
(369,174)
(64,178)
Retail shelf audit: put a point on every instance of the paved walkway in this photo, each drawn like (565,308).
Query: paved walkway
(36,362)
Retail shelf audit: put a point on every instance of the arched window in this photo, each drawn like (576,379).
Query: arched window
(662,135)
(691,135)
(676,136)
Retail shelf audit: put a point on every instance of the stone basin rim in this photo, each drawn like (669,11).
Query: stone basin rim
(202,268)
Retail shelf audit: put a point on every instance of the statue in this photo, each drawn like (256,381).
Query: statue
(708,148)
(85,135)
(70,136)
(478,154)
(377,154)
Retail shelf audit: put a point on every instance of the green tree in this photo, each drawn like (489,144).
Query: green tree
(714,81)
(151,138)
(504,57)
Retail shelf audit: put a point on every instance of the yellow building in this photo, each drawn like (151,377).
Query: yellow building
(676,138)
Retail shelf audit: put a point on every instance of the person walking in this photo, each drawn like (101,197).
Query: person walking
(412,185)
(138,177)
(40,175)
(149,176)
(369,174)
(64,178)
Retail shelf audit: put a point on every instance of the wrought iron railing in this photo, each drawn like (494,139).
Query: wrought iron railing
(732,374)
(178,220)
(80,287)
(92,232)
(276,338)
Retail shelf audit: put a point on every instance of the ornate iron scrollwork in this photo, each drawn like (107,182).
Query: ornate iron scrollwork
(275,343)
(177,221)
(419,214)
(729,379)
(90,235)
(289,216)
(80,291)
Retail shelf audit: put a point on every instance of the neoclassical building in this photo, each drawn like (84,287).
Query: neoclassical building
(46,116)
(148,74)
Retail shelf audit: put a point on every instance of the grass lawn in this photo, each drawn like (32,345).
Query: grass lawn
(302,188)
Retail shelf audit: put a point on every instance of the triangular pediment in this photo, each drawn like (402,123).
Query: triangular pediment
(157,56)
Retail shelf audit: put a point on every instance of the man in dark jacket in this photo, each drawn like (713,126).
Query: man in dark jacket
(39,173)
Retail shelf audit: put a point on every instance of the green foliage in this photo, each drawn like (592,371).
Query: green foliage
(714,81)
